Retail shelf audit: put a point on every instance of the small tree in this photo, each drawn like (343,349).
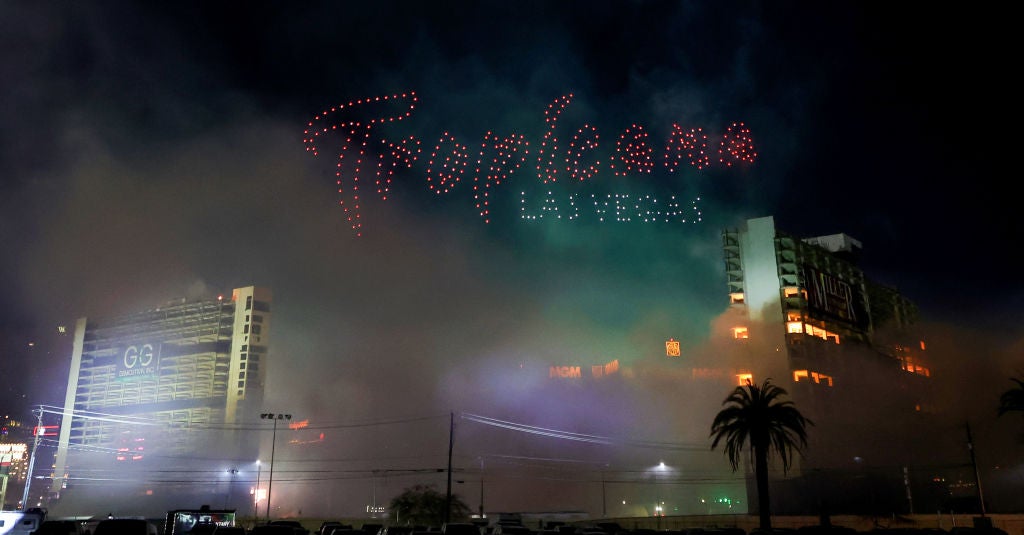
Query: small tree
(754,416)
(422,504)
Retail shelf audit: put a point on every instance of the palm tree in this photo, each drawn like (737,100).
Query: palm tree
(1013,399)
(755,416)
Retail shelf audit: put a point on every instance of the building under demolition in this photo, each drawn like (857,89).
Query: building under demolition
(804,314)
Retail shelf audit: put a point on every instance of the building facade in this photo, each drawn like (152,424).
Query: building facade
(804,314)
(15,445)
(149,383)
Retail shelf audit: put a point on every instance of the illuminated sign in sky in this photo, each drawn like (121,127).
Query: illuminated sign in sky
(369,164)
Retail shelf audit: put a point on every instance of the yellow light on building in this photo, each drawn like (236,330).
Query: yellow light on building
(672,348)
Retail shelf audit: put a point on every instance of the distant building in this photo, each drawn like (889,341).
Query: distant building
(149,382)
(14,456)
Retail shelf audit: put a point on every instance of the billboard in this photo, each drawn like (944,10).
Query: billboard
(831,296)
(138,360)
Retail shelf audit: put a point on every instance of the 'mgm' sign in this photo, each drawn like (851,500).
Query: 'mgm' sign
(139,360)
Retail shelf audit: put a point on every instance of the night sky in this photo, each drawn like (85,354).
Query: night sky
(153,151)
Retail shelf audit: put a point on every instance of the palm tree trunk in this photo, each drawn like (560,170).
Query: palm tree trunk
(761,476)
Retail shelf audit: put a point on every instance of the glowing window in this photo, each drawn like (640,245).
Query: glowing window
(791,291)
(736,298)
(821,378)
(740,332)
(795,327)
(799,374)
(743,379)
(793,316)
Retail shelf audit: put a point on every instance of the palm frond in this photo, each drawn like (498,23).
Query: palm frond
(757,417)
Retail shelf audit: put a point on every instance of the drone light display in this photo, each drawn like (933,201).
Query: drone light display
(483,166)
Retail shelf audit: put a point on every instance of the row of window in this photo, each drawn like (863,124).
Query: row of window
(806,375)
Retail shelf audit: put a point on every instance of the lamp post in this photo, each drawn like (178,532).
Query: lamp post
(273,443)
(256,493)
(227,497)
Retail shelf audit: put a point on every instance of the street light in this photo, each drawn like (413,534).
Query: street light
(227,497)
(273,443)
(256,493)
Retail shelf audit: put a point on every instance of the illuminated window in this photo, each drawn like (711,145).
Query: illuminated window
(793,316)
(743,379)
(795,327)
(791,291)
(821,378)
(736,298)
(740,333)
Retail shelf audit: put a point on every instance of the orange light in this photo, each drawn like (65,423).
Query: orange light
(298,425)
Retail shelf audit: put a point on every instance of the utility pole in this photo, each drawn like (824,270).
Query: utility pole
(977,475)
(231,482)
(32,459)
(273,445)
(906,484)
(448,495)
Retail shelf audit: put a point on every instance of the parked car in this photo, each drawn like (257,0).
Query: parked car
(326,527)
(511,529)
(460,528)
(125,526)
(371,528)
(294,524)
(59,527)
(273,529)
